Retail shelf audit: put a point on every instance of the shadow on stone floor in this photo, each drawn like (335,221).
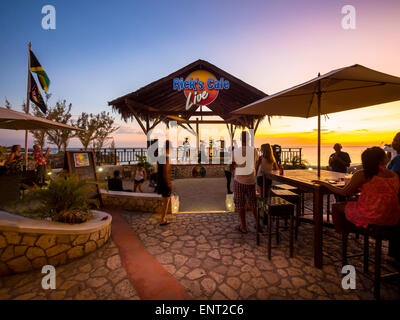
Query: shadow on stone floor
(213,261)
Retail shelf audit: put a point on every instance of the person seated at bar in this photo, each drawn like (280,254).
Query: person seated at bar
(115,184)
(378,203)
(140,176)
(394,165)
(41,161)
(14,159)
(15,154)
(265,164)
(339,161)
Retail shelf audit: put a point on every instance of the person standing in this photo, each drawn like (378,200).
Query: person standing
(140,176)
(41,162)
(394,164)
(244,184)
(339,161)
(265,164)
(186,150)
(164,184)
(228,169)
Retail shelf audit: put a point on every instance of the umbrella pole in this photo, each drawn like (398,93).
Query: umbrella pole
(319,126)
(27,103)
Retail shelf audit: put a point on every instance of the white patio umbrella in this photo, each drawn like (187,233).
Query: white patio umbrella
(339,90)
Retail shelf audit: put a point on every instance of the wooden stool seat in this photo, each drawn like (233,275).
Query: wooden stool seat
(293,198)
(378,233)
(279,208)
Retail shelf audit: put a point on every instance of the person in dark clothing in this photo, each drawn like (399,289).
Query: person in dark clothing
(339,161)
(164,184)
(228,169)
(115,184)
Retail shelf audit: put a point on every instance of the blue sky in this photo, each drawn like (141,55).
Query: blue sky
(103,49)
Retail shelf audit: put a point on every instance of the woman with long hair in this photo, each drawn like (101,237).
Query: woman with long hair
(265,164)
(164,183)
(378,203)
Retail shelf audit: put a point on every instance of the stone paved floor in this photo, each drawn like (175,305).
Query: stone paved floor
(99,275)
(213,261)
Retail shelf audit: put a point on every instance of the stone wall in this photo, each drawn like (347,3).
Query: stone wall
(180,171)
(137,202)
(25,249)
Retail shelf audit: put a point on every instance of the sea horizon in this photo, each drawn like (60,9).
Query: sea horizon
(308,154)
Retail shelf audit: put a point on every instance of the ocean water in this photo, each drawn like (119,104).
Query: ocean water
(309,153)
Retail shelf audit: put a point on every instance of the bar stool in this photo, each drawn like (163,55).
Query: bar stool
(379,233)
(292,198)
(278,208)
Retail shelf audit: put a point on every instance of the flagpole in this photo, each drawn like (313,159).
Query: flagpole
(27,103)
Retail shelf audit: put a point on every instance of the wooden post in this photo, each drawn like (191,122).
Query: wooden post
(319,126)
(197,135)
(147,130)
(28,89)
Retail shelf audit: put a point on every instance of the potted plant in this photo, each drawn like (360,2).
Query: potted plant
(65,199)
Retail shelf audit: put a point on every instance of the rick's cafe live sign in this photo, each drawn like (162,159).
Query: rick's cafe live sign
(200,87)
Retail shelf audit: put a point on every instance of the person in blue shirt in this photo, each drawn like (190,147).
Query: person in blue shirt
(394,164)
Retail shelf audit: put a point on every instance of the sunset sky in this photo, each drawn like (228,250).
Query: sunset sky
(102,50)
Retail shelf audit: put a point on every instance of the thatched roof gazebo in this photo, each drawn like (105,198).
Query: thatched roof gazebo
(157,102)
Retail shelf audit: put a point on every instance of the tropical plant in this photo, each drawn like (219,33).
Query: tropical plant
(295,163)
(146,164)
(60,113)
(65,199)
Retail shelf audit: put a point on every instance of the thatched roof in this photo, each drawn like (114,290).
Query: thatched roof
(158,99)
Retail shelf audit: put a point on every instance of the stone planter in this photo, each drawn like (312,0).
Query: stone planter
(135,202)
(27,244)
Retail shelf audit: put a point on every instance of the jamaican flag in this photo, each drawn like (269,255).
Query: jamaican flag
(38,69)
(35,96)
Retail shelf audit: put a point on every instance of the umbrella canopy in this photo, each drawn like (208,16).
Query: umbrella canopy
(14,120)
(342,89)
(339,90)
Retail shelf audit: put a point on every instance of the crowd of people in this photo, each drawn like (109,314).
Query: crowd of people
(15,162)
(376,183)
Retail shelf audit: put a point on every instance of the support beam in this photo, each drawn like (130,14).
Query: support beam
(137,119)
(207,121)
(257,123)
(188,129)
(156,122)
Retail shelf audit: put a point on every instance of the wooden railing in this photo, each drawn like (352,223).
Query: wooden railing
(120,155)
(133,155)
(290,155)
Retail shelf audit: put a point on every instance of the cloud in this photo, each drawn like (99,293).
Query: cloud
(362,130)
